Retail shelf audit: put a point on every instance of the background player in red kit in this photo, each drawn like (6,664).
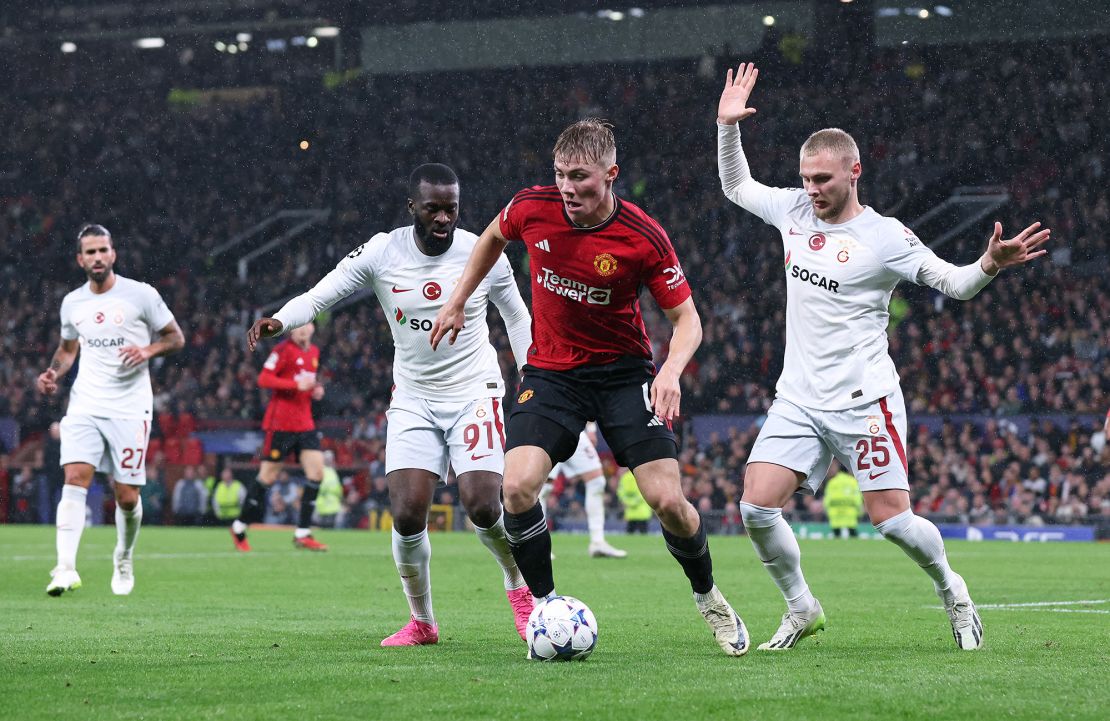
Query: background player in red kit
(591,360)
(290,372)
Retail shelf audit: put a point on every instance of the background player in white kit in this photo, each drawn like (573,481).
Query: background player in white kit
(446,405)
(838,394)
(585,465)
(110,320)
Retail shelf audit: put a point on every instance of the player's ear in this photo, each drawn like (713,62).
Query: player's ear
(857,170)
(613,172)
(412,208)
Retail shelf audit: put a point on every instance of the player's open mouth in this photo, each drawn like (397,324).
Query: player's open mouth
(440,234)
(572,206)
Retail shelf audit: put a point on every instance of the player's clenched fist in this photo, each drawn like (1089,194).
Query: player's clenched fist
(263,328)
(47,382)
(449,319)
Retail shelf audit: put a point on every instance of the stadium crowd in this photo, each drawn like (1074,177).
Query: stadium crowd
(175,179)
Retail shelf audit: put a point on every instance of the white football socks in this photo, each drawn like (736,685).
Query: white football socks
(921,541)
(413,555)
(127,528)
(777,547)
(494,539)
(70,524)
(595,509)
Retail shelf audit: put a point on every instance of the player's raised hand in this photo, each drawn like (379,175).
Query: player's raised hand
(1022,248)
(734,99)
(47,382)
(263,328)
(134,355)
(317,392)
(449,319)
(666,394)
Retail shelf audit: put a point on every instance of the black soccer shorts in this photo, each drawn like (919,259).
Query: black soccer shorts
(279,444)
(552,408)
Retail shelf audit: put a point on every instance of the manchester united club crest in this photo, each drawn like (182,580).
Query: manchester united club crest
(605,264)
(525,396)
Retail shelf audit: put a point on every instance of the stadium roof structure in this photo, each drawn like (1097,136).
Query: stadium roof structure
(32,16)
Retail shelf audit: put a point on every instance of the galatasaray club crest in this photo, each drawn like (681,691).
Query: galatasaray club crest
(525,396)
(605,264)
(873,426)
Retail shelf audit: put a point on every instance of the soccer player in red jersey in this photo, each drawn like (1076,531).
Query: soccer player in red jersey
(291,373)
(591,360)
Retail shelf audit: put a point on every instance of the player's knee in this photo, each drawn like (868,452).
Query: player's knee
(408,523)
(671,507)
(519,493)
(484,514)
(758,516)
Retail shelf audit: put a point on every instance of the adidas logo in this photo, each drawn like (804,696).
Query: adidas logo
(544,245)
(655,421)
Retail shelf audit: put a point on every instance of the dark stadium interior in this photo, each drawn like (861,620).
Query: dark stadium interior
(1005,392)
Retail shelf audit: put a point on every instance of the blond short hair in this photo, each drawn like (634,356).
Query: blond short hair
(590,140)
(835,140)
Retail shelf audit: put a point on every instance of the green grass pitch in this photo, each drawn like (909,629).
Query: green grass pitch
(285,634)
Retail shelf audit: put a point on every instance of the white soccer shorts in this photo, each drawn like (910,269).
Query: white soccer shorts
(868,440)
(116,446)
(584,460)
(467,435)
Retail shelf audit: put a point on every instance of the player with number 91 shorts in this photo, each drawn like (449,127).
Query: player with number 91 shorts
(445,409)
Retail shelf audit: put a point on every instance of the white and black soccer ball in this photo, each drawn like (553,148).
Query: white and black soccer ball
(561,628)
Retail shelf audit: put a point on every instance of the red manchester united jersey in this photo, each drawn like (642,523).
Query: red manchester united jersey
(289,408)
(586,281)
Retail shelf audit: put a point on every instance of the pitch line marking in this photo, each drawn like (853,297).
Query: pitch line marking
(1049,606)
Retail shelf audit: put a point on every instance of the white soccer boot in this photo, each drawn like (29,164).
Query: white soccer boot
(795,627)
(602,549)
(967,629)
(62,580)
(728,629)
(123,578)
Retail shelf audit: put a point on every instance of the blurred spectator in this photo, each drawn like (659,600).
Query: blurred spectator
(189,499)
(637,512)
(22,508)
(843,502)
(284,501)
(227,497)
(153,495)
(329,501)
(50,478)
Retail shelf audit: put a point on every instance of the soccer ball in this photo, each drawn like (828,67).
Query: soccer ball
(561,628)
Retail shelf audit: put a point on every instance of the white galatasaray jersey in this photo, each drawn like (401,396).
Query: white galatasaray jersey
(411,288)
(130,313)
(839,278)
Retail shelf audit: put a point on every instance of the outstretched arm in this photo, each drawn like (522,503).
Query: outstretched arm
(964,282)
(732,165)
(452,315)
(352,273)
